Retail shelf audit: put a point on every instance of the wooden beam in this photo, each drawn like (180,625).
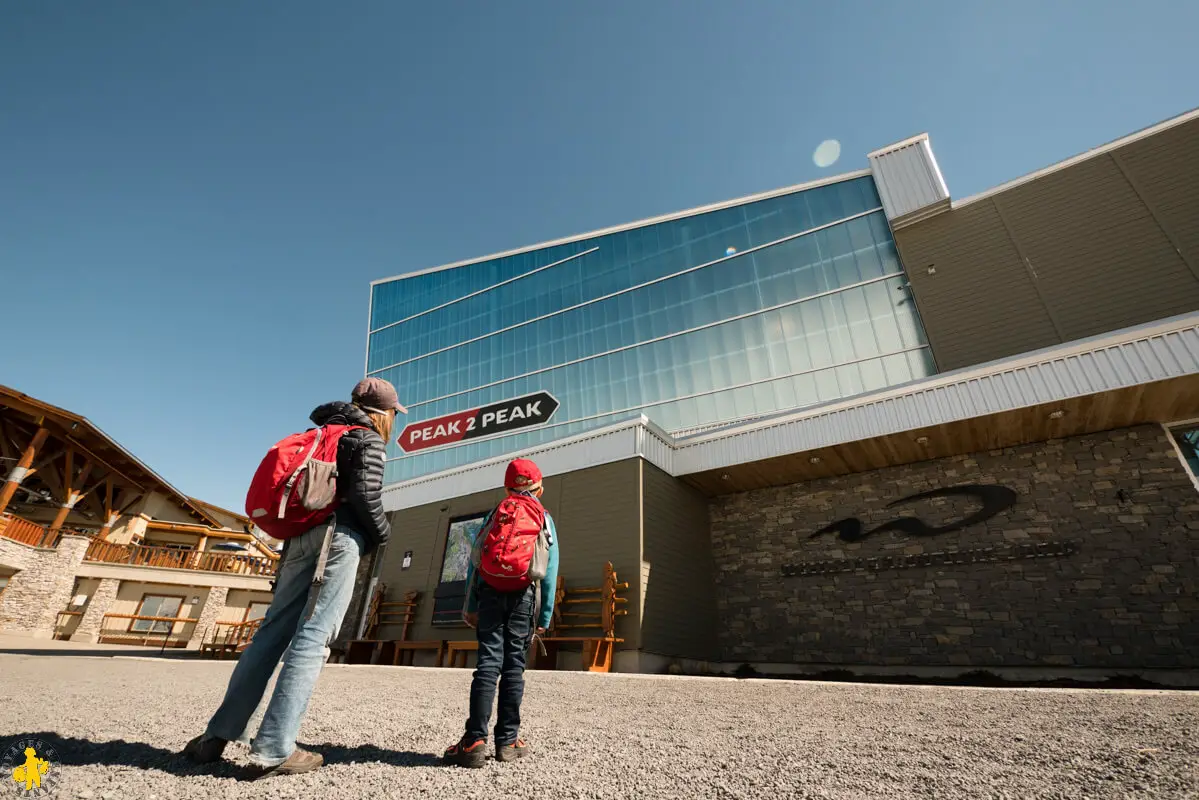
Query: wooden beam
(75,442)
(18,472)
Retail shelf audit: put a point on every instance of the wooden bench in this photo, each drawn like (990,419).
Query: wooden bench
(393,651)
(577,611)
(456,652)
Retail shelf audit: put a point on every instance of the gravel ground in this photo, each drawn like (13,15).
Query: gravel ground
(117,724)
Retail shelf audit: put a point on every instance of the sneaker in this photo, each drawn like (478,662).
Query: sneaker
(299,762)
(512,752)
(464,754)
(204,749)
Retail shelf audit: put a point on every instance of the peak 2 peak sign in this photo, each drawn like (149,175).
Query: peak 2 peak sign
(502,417)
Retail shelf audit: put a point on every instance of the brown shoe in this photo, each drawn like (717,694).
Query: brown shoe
(512,752)
(299,762)
(472,755)
(204,750)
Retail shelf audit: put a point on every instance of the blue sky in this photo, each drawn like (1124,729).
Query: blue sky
(194,197)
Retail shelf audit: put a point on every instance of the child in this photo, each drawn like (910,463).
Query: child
(513,569)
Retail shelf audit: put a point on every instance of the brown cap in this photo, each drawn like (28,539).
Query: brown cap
(377,394)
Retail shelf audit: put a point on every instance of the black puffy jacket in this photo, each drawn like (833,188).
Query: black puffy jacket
(360,459)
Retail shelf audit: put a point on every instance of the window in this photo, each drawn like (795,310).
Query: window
(156,605)
(450,595)
(3,583)
(256,611)
(1187,440)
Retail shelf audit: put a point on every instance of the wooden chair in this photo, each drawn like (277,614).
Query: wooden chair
(575,611)
(456,652)
(403,613)
(394,651)
(362,651)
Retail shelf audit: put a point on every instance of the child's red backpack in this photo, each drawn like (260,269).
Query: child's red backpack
(295,487)
(512,550)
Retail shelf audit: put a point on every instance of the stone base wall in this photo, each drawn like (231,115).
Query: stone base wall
(1095,566)
(98,605)
(34,596)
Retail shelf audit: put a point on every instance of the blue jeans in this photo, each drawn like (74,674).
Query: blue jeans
(504,632)
(306,640)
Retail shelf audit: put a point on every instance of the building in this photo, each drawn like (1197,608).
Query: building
(97,547)
(871,427)
(722,313)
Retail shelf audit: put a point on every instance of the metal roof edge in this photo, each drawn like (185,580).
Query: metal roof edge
(1099,150)
(555,444)
(902,143)
(704,209)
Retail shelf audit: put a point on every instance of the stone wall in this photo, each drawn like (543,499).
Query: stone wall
(98,605)
(1096,564)
(214,606)
(42,588)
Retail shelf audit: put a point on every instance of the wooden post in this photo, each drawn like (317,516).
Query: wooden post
(68,487)
(18,472)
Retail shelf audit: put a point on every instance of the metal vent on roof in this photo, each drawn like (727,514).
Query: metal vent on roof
(909,181)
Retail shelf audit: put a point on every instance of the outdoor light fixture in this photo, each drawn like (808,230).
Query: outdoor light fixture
(724,477)
(921,440)
(1057,414)
(195,600)
(814,460)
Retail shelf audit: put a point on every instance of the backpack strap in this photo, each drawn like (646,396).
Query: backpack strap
(291,481)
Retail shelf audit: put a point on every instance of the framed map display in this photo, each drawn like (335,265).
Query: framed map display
(450,594)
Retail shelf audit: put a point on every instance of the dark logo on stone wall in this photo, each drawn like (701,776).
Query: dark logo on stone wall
(995,500)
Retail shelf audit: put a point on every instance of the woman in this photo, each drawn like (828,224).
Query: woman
(361,526)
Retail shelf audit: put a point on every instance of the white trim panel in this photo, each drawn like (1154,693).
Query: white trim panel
(629,439)
(908,177)
(628,226)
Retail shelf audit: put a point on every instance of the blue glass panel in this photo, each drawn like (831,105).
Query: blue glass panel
(770,305)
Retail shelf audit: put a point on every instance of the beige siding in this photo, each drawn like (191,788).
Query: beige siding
(1107,243)
(980,299)
(597,517)
(238,601)
(680,617)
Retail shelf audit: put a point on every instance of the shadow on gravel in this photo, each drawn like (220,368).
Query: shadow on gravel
(118,752)
(75,752)
(336,754)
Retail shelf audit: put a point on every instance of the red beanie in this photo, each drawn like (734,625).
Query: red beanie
(522,475)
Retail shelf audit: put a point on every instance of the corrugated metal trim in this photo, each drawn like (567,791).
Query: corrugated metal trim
(908,178)
(1144,354)
(635,437)
(1136,356)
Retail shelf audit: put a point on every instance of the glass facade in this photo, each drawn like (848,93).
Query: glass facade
(765,306)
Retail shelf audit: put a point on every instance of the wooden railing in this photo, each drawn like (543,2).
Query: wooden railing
(26,532)
(118,629)
(229,638)
(139,555)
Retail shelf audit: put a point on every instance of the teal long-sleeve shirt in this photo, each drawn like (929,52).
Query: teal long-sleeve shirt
(549,584)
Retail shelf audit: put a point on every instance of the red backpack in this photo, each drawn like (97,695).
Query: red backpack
(295,487)
(512,551)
